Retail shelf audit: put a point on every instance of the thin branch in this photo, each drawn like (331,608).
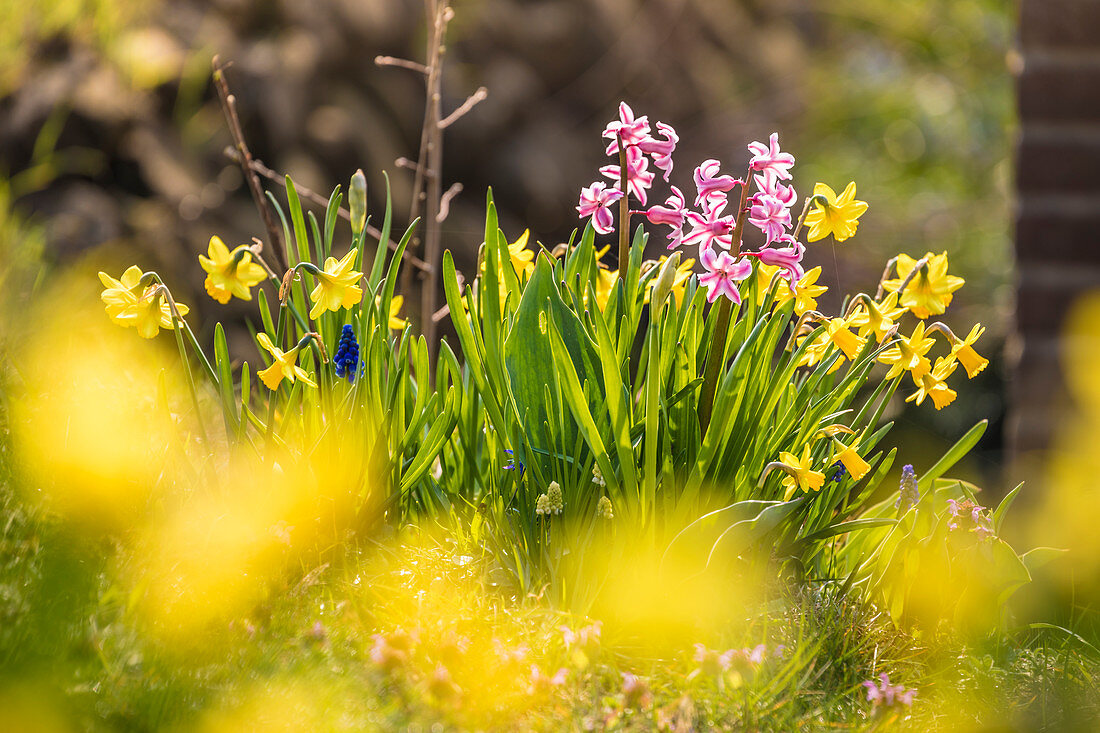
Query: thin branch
(257,166)
(411,165)
(244,157)
(401,63)
(471,101)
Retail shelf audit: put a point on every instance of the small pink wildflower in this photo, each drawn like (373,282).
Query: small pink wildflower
(633,131)
(661,150)
(636,694)
(638,178)
(970,516)
(441,685)
(540,683)
(672,213)
(769,215)
(392,650)
(769,159)
(723,272)
(595,202)
(883,695)
(712,663)
(711,186)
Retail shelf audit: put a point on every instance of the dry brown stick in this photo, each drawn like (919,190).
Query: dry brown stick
(433,163)
(229,109)
(307,193)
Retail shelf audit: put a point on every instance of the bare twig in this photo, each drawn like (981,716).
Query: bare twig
(244,157)
(401,63)
(306,193)
(445,201)
(471,101)
(411,165)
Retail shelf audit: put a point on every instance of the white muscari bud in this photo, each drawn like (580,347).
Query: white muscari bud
(554,498)
(603,508)
(542,504)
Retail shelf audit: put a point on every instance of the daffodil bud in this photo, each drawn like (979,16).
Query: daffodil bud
(357,202)
(665,278)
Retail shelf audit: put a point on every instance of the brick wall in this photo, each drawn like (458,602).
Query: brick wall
(1058,204)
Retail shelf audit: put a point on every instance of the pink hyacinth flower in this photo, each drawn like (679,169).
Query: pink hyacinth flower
(788,258)
(595,201)
(711,186)
(661,150)
(638,178)
(770,216)
(712,228)
(632,130)
(672,213)
(769,159)
(723,272)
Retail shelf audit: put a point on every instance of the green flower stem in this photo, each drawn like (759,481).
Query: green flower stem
(715,357)
(624,213)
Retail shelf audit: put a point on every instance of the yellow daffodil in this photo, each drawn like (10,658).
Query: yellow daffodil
(147,311)
(806,291)
(605,281)
(908,354)
(838,334)
(972,361)
(929,292)
(336,286)
(849,456)
(765,276)
(877,318)
(679,282)
(230,273)
(837,215)
(395,321)
(800,475)
(522,258)
(933,383)
(283,366)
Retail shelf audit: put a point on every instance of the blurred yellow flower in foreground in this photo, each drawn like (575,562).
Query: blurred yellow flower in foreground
(146,311)
(336,285)
(837,215)
(230,273)
(929,292)
(283,367)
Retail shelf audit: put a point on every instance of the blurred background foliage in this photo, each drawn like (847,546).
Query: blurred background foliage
(113,137)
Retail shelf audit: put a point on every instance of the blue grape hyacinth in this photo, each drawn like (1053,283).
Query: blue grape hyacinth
(347,354)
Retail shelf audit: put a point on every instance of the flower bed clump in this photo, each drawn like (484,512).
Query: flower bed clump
(650,496)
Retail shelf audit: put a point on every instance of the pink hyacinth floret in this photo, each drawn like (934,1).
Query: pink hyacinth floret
(788,258)
(769,215)
(723,272)
(711,186)
(769,159)
(711,228)
(595,202)
(633,131)
(661,150)
(673,213)
(771,186)
(638,178)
